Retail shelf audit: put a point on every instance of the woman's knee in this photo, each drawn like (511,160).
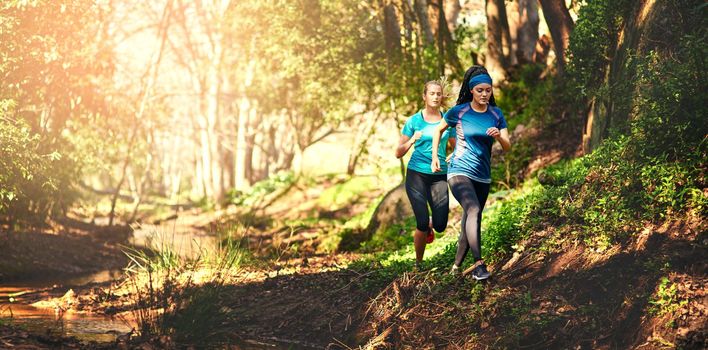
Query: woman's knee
(440,225)
(462,240)
(473,212)
(422,224)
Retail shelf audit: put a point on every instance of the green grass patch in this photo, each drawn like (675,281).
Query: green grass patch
(666,300)
(345,193)
(392,237)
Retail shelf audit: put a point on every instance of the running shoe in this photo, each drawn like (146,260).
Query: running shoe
(480,272)
(430,238)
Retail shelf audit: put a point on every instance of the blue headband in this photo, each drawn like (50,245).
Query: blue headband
(479,79)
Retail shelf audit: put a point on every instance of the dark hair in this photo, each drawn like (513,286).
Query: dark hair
(465,93)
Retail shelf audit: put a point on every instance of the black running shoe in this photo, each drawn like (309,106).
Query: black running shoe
(480,272)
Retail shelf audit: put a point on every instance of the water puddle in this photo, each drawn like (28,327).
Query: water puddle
(15,308)
(15,299)
(82,326)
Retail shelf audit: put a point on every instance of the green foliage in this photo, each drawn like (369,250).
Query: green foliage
(503,223)
(607,194)
(198,311)
(599,22)
(671,101)
(179,296)
(525,97)
(652,169)
(345,193)
(530,101)
(33,184)
(392,237)
(470,40)
(256,193)
(51,65)
(311,56)
(508,168)
(157,259)
(665,300)
(385,266)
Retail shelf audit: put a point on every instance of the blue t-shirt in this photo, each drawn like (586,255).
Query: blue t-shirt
(423,148)
(473,150)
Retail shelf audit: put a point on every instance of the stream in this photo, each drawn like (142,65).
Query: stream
(42,320)
(85,326)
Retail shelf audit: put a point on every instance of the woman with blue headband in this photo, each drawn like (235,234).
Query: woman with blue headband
(477,123)
(423,187)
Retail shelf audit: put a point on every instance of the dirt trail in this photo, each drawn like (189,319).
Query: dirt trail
(317,307)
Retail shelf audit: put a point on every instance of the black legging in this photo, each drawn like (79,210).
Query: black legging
(472,195)
(428,189)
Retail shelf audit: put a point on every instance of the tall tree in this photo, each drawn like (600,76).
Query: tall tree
(561,25)
(523,27)
(421,10)
(146,91)
(497,58)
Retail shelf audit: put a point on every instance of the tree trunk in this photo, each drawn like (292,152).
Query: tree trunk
(212,114)
(146,90)
(141,188)
(449,42)
(242,163)
(497,25)
(392,32)
(442,27)
(507,44)
(561,25)
(523,27)
(362,140)
(452,12)
(421,11)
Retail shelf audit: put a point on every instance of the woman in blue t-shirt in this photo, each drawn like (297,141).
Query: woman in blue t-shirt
(477,123)
(425,188)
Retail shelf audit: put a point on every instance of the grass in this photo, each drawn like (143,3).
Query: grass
(345,193)
(178,296)
(666,300)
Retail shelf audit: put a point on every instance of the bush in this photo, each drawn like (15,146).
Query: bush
(255,195)
(34,182)
(528,100)
(503,224)
(599,22)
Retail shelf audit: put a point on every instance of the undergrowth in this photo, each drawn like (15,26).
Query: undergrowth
(179,297)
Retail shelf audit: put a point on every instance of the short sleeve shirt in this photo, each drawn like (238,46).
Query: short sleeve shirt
(473,150)
(423,148)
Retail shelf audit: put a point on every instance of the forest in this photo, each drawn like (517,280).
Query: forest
(223,174)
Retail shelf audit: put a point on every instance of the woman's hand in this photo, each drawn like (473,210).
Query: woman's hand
(435,164)
(493,132)
(405,143)
(502,136)
(449,156)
